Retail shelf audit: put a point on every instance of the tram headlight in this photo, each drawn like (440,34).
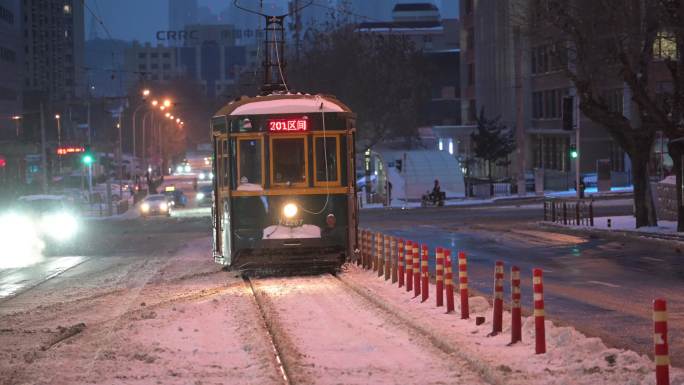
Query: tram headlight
(200,196)
(290,210)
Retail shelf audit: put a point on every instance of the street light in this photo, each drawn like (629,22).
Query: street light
(59,130)
(162,108)
(154,103)
(167,103)
(16,119)
(178,120)
(171,117)
(167,114)
(146,92)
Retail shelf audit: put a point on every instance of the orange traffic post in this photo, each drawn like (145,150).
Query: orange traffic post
(497,317)
(439,276)
(448,276)
(400,262)
(425,274)
(516,316)
(463,284)
(662,357)
(395,259)
(409,266)
(416,269)
(388,257)
(539,330)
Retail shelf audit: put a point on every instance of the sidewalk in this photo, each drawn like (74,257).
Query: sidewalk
(626,226)
(616,192)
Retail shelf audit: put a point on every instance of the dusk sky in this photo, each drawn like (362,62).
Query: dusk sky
(139,20)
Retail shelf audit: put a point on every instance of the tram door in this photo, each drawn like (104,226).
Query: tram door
(221,206)
(215,212)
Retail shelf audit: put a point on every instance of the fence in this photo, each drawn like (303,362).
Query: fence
(578,212)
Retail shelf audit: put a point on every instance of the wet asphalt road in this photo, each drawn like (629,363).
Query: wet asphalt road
(602,285)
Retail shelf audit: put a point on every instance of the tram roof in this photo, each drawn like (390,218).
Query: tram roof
(282,104)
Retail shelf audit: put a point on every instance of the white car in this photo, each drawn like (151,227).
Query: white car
(155,204)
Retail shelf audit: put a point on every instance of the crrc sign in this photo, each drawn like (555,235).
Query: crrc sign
(177,35)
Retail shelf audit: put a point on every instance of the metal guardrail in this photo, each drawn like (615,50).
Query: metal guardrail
(578,212)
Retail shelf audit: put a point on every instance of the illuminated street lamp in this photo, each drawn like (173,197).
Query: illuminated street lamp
(17,120)
(167,103)
(167,114)
(154,103)
(162,108)
(178,120)
(146,92)
(171,117)
(59,130)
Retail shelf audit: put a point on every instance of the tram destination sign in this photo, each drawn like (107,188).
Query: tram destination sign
(288,125)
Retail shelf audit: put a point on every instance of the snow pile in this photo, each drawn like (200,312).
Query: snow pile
(571,358)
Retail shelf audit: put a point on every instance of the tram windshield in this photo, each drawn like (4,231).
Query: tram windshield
(249,152)
(326,159)
(288,157)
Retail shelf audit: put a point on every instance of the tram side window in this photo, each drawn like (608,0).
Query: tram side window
(249,172)
(288,160)
(225,170)
(326,159)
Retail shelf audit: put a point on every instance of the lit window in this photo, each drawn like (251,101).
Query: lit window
(451,146)
(67,8)
(665,46)
(441,145)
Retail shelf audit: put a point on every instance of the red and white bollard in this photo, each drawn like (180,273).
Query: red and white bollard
(416,269)
(516,316)
(662,356)
(425,273)
(379,256)
(439,276)
(395,259)
(449,277)
(463,284)
(401,261)
(388,255)
(539,330)
(497,317)
(409,266)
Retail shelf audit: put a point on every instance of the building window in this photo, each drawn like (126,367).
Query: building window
(154,55)
(166,55)
(166,66)
(617,157)
(6,15)
(551,153)
(142,55)
(471,74)
(665,46)
(154,66)
(470,39)
(547,104)
(472,113)
(142,67)
(614,100)
(8,55)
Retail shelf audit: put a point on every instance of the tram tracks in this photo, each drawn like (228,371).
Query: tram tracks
(323,329)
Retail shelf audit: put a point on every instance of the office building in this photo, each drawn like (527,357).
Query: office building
(11,59)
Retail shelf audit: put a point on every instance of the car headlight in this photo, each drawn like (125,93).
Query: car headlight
(187,168)
(145,207)
(163,206)
(60,227)
(290,210)
(179,169)
(202,176)
(211,175)
(21,243)
(200,196)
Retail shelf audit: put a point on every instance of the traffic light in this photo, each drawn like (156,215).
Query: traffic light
(568,109)
(572,150)
(87,157)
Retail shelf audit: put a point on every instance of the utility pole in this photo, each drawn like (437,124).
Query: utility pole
(578,175)
(90,134)
(43,150)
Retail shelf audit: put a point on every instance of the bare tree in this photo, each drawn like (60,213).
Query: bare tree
(609,42)
(383,78)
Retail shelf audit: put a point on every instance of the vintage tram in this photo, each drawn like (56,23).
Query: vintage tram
(284,186)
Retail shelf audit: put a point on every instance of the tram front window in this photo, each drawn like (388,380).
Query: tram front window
(326,159)
(249,152)
(288,160)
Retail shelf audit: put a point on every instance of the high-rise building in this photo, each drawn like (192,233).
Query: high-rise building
(10,68)
(54,50)
(182,13)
